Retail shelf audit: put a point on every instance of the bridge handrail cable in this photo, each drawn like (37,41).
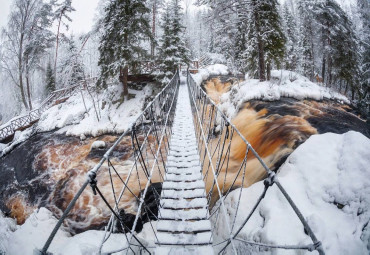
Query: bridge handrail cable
(162,104)
(210,122)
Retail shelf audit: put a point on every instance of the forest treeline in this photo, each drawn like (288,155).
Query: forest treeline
(315,38)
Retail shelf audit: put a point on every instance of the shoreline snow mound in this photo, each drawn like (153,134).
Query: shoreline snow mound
(282,84)
(72,118)
(24,239)
(328,177)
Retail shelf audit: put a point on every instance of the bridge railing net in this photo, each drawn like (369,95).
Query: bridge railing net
(230,163)
(126,183)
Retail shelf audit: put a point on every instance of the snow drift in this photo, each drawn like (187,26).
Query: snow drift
(328,177)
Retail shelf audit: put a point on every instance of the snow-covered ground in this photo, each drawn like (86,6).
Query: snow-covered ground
(283,84)
(34,232)
(78,116)
(328,177)
(72,118)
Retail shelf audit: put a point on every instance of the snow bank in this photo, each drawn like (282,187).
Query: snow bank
(203,74)
(19,137)
(34,232)
(282,84)
(72,118)
(217,69)
(328,177)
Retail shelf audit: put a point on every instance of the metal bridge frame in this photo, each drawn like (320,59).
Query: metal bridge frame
(150,138)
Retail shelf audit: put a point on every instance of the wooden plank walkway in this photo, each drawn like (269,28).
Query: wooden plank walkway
(183,226)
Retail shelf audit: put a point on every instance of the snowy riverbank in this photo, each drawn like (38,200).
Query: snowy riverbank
(328,177)
(283,84)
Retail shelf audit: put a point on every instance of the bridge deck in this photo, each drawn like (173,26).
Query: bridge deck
(183,226)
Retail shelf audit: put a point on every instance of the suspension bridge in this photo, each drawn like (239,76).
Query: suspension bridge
(183,144)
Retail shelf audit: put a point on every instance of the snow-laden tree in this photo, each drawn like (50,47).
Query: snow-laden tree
(291,34)
(126,26)
(61,14)
(25,39)
(50,79)
(265,37)
(154,6)
(71,68)
(173,50)
(306,60)
(338,44)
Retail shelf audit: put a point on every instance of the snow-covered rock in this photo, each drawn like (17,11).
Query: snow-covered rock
(328,177)
(217,69)
(98,145)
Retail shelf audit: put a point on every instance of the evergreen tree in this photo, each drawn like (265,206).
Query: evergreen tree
(338,44)
(265,36)
(240,44)
(306,39)
(126,26)
(364,49)
(173,51)
(50,79)
(71,68)
(60,14)
(291,33)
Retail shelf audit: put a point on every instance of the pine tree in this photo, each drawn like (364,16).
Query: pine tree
(364,50)
(126,26)
(305,39)
(173,51)
(71,67)
(265,37)
(240,44)
(61,13)
(338,44)
(50,79)
(290,29)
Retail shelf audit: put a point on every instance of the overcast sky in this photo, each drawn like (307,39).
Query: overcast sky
(82,18)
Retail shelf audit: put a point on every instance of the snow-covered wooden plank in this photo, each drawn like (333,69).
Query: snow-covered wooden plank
(187,226)
(184,239)
(183,203)
(183,177)
(194,250)
(183,185)
(186,194)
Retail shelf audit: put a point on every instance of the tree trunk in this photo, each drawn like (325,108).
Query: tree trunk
(124,80)
(56,47)
(28,91)
(20,71)
(153,28)
(353,92)
(346,89)
(323,70)
(261,52)
(268,71)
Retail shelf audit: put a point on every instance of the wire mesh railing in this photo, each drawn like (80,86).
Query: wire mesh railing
(230,163)
(124,185)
